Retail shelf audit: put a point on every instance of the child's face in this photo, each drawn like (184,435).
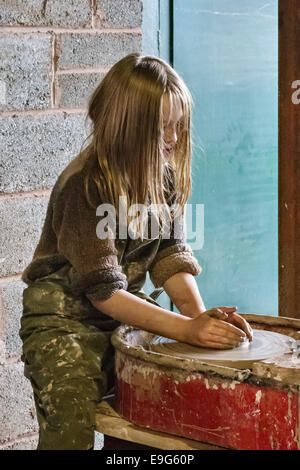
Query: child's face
(170,127)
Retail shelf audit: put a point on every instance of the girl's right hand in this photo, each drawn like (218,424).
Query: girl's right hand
(209,330)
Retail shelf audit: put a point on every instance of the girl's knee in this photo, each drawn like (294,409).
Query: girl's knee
(71,435)
(66,414)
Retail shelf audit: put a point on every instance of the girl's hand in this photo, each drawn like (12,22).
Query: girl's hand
(214,328)
(240,322)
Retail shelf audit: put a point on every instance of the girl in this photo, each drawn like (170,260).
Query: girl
(81,285)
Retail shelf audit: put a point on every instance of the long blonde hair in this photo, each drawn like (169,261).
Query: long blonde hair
(126,150)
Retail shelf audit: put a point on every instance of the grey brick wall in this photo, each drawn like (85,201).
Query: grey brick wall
(74,89)
(51,13)
(17,406)
(11,294)
(25,66)
(21,224)
(123,13)
(35,149)
(92,50)
(53,54)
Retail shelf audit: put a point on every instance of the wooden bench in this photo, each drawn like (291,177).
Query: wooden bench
(120,434)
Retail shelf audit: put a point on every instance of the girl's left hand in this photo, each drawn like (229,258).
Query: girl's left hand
(240,322)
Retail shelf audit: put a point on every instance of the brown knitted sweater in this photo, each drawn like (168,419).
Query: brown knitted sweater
(99,268)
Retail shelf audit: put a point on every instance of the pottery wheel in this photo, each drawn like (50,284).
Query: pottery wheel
(265,344)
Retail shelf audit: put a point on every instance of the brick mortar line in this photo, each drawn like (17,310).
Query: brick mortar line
(58,30)
(7,279)
(26,194)
(2,322)
(16,440)
(83,70)
(42,112)
(52,91)
(94,11)
(12,360)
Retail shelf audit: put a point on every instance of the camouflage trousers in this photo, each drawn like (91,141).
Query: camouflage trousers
(69,360)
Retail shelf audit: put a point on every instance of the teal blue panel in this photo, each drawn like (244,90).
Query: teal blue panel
(156,28)
(156,41)
(226,51)
(150,27)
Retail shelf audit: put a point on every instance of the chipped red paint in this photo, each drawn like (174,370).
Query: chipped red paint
(207,408)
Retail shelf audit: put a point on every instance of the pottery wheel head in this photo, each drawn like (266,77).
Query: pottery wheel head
(265,345)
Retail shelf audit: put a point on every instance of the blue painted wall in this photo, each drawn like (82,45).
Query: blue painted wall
(150,27)
(155,41)
(226,51)
(156,28)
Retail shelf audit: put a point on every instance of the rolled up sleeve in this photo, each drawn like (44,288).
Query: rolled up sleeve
(174,255)
(95,270)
